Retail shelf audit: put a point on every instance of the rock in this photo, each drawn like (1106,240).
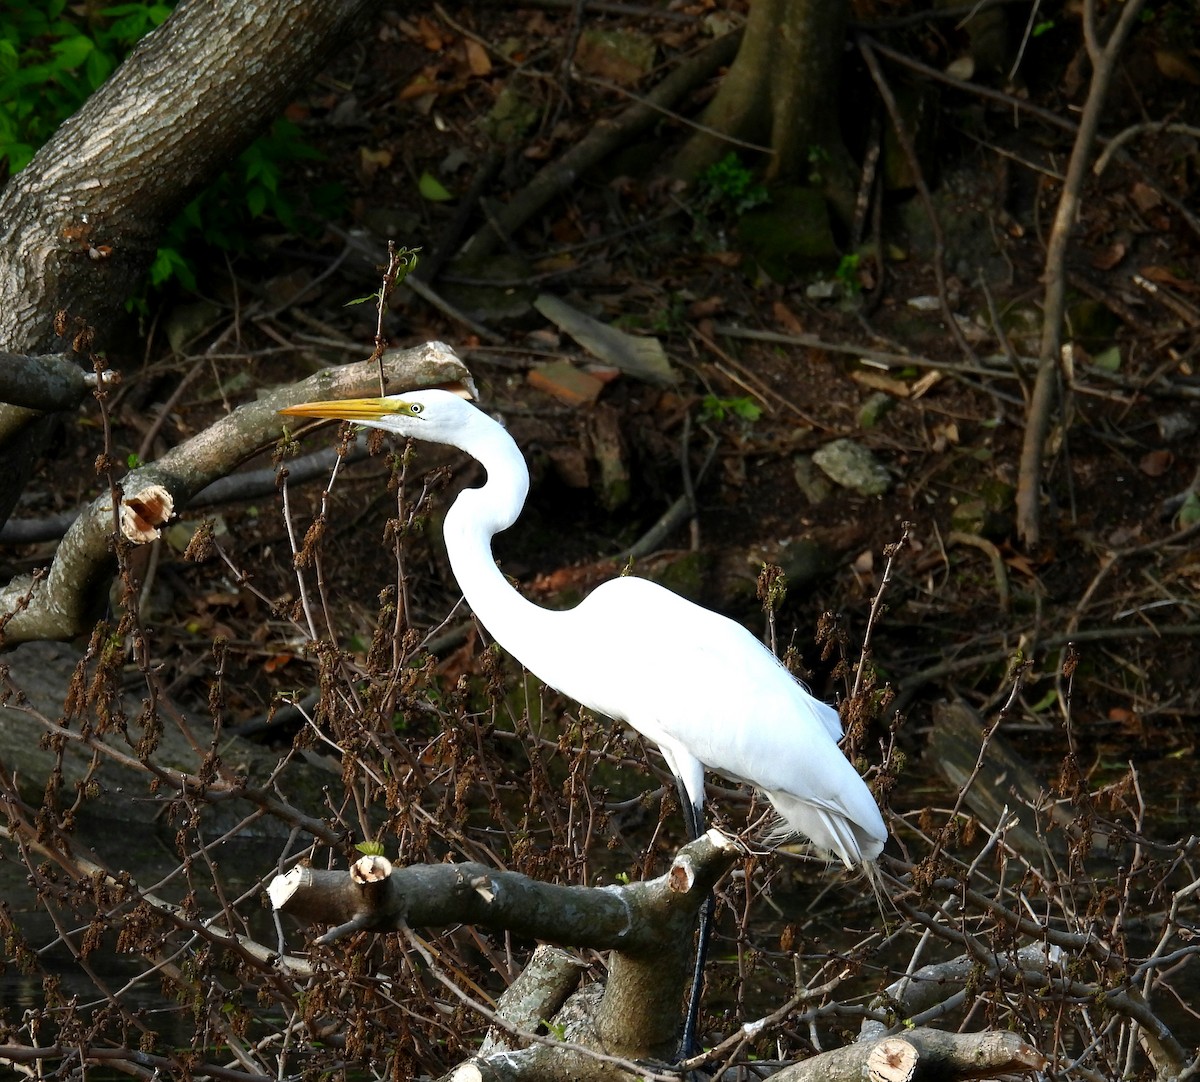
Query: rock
(853,466)
(811,481)
(623,56)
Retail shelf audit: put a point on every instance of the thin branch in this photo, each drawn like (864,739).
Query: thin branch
(1041,405)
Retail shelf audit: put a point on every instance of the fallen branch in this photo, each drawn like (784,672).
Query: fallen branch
(605,137)
(234,488)
(921,1054)
(57,606)
(49,382)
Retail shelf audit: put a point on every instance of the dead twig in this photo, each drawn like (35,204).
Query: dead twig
(891,552)
(1037,425)
(914,163)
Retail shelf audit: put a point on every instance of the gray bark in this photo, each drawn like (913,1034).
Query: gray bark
(649,927)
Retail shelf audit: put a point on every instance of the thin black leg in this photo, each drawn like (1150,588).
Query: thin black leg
(694,817)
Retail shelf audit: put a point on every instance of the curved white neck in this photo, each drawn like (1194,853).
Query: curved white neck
(474,518)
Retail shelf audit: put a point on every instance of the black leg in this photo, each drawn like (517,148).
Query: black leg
(694,817)
(689,1046)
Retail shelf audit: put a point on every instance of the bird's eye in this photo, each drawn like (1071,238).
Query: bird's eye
(415,407)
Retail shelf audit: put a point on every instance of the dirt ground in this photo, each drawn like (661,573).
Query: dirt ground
(1116,573)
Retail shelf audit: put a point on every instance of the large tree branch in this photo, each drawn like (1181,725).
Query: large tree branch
(648,927)
(115,174)
(50,382)
(56,605)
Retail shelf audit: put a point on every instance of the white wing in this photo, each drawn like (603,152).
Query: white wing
(702,687)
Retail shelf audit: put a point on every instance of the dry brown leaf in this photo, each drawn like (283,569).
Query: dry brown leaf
(1019,562)
(421,84)
(709,306)
(1109,257)
(1163,277)
(1156,463)
(1176,65)
(477,58)
(786,318)
(1144,197)
(945,434)
(430,34)
(562,380)
(371,161)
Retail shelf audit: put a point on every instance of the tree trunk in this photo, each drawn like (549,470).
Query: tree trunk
(191,96)
(779,91)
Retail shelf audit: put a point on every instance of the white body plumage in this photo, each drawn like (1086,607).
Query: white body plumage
(697,684)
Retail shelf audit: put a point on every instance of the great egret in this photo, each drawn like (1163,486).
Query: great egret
(697,684)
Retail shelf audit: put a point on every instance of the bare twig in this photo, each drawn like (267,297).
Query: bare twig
(914,164)
(1037,424)
(891,552)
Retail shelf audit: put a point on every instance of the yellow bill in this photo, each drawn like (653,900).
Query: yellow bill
(350,409)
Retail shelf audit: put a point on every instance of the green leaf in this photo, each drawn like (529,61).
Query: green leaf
(370,849)
(72,51)
(168,264)
(1189,513)
(1109,360)
(432,189)
(1045,702)
(99,67)
(256,201)
(18,155)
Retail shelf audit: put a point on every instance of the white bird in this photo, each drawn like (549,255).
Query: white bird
(697,684)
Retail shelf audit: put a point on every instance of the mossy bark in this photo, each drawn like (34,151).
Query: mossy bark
(780,92)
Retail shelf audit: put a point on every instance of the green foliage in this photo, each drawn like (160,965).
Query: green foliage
(1189,513)
(370,849)
(433,189)
(224,214)
(818,164)
(1177,22)
(51,59)
(847,274)
(730,185)
(406,262)
(714,408)
(169,263)
(53,56)
(253,189)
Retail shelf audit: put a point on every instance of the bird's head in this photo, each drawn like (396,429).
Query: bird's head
(435,415)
